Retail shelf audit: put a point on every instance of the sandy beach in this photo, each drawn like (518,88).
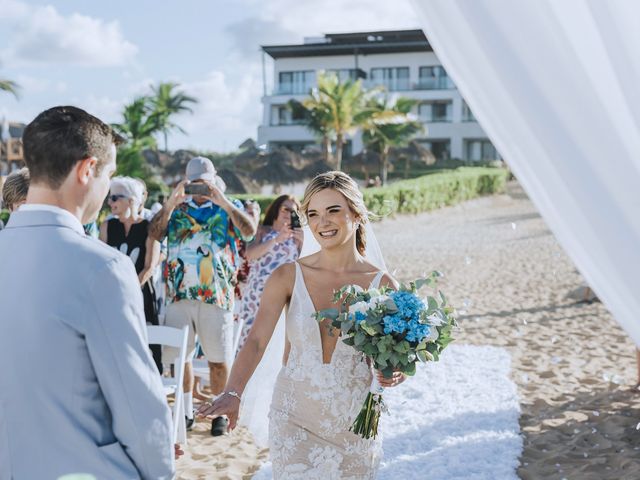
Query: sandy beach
(514,288)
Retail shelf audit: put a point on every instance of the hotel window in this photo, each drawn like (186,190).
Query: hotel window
(432,112)
(282,115)
(345,74)
(296,83)
(441,149)
(393,79)
(467,114)
(433,78)
(480,149)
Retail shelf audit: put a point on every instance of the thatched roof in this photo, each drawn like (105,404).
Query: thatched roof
(238,182)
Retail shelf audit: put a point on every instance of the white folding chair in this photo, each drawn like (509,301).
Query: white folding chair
(201,370)
(177,338)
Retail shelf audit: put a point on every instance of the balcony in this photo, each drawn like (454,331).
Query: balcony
(288,123)
(285,88)
(402,85)
(434,83)
(436,119)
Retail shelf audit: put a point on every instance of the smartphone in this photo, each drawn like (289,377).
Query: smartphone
(196,189)
(295,220)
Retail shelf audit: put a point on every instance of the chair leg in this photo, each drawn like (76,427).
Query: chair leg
(182,426)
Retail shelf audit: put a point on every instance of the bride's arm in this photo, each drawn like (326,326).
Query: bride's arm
(277,292)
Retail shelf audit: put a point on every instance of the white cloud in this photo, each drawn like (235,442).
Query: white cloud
(12,9)
(332,16)
(249,33)
(31,85)
(106,108)
(228,111)
(41,35)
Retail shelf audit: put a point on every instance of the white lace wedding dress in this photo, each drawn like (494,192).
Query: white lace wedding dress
(314,403)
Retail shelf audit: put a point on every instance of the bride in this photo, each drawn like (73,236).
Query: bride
(323,382)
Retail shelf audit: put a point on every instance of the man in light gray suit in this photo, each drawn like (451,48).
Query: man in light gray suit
(79,392)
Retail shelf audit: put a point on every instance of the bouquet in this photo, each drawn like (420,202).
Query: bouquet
(394,329)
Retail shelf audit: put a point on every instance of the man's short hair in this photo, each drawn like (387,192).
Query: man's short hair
(60,137)
(15,188)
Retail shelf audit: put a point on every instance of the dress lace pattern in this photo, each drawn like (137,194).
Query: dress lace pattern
(314,404)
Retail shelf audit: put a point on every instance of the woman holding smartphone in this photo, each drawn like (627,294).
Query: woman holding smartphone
(278,241)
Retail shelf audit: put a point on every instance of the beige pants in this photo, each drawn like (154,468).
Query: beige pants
(212,324)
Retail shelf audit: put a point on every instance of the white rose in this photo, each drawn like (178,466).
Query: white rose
(375,301)
(435,320)
(433,335)
(361,307)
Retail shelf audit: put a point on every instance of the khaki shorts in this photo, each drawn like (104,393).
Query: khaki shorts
(212,324)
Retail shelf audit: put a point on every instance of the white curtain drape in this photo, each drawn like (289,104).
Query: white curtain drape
(556,86)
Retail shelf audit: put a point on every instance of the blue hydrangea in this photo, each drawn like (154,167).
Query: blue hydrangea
(417,331)
(358,317)
(407,318)
(409,305)
(394,323)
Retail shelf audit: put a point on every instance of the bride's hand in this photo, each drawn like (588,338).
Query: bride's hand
(396,379)
(223,405)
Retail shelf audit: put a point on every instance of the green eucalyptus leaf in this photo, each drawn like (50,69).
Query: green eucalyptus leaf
(359,338)
(387,372)
(348,341)
(394,359)
(369,349)
(432,304)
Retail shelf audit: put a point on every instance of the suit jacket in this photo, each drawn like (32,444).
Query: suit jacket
(79,392)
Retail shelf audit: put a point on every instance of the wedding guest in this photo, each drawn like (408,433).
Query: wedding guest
(145,213)
(252,208)
(202,231)
(73,315)
(276,243)
(15,188)
(127,231)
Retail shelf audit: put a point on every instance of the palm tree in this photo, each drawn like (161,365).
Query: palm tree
(316,117)
(340,106)
(9,86)
(388,124)
(138,128)
(166,102)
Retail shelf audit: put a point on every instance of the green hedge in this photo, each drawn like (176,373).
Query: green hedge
(4,216)
(436,190)
(424,193)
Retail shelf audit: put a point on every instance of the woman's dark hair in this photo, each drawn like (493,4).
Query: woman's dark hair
(60,137)
(273,209)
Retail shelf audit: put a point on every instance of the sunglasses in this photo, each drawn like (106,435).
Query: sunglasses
(115,198)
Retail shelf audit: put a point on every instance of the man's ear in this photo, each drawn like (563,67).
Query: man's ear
(86,169)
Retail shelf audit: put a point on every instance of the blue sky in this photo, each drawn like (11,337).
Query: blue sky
(100,55)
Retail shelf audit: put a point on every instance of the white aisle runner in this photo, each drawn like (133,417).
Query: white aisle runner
(457,419)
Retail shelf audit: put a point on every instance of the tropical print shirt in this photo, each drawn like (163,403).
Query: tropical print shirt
(202,254)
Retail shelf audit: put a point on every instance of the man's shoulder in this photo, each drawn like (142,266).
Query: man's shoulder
(94,253)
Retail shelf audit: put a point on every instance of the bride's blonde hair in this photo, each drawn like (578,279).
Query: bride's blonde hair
(344,184)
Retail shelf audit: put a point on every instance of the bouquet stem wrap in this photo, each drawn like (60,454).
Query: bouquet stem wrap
(366,423)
